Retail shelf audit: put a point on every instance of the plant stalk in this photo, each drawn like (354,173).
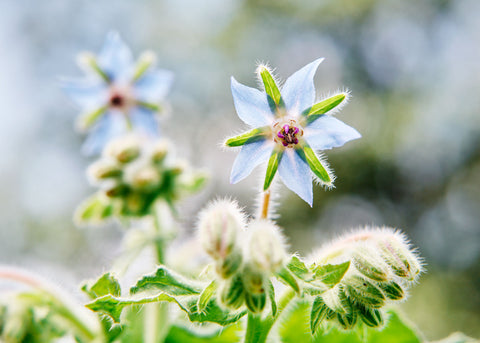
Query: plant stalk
(265,204)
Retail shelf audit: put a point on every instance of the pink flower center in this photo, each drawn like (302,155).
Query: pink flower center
(287,134)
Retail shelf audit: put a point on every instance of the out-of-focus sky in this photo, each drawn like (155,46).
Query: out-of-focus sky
(414,73)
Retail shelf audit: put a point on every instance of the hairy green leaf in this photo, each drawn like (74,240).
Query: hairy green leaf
(318,314)
(286,276)
(94,210)
(331,274)
(106,284)
(167,281)
(206,295)
(298,268)
(271,296)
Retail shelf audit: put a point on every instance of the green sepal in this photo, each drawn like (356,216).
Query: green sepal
(326,105)
(286,277)
(145,61)
(315,165)
(272,167)
(232,293)
(88,119)
(364,292)
(250,136)
(149,105)
(271,296)
(331,274)
(318,314)
(255,301)
(106,284)
(298,268)
(392,290)
(271,87)
(91,62)
(206,295)
(370,316)
(166,281)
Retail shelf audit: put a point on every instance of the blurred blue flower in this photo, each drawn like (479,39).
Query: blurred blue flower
(118,94)
(288,127)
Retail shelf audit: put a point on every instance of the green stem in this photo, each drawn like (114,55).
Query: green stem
(158,243)
(258,329)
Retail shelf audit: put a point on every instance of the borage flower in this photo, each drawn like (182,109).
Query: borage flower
(117,94)
(288,127)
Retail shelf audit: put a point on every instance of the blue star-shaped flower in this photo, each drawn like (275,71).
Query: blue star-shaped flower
(117,94)
(288,127)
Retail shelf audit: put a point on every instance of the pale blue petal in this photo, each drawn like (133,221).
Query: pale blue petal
(87,93)
(251,105)
(251,155)
(295,174)
(111,125)
(144,120)
(115,58)
(298,92)
(328,132)
(153,86)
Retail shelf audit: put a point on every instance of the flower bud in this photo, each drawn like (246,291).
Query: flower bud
(104,169)
(124,149)
(370,316)
(219,227)
(145,178)
(159,152)
(232,292)
(254,281)
(370,263)
(227,266)
(364,292)
(134,203)
(255,302)
(266,248)
(398,255)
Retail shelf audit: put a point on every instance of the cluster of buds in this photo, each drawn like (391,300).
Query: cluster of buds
(133,172)
(245,256)
(361,273)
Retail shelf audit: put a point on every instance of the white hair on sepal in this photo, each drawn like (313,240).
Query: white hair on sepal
(326,95)
(323,161)
(238,132)
(272,72)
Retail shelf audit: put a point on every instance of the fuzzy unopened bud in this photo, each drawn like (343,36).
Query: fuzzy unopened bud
(134,203)
(104,169)
(232,292)
(254,281)
(144,178)
(364,292)
(369,262)
(159,152)
(124,149)
(398,255)
(266,248)
(219,227)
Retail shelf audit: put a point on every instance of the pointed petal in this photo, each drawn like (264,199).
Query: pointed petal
(111,125)
(251,155)
(145,121)
(87,93)
(327,132)
(298,92)
(295,174)
(251,105)
(153,86)
(115,58)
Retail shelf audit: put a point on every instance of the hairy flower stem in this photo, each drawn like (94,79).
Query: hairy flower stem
(265,204)
(258,328)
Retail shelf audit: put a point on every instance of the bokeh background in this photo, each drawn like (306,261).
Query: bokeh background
(414,72)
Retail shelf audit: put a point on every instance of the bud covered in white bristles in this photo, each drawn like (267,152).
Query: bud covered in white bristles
(102,170)
(266,246)
(143,177)
(220,226)
(124,149)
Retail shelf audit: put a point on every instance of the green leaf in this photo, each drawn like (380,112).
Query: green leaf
(250,136)
(298,268)
(318,314)
(272,167)
(113,306)
(106,284)
(315,165)
(86,120)
(206,295)
(94,210)
(286,276)
(270,86)
(326,105)
(271,296)
(167,281)
(331,274)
